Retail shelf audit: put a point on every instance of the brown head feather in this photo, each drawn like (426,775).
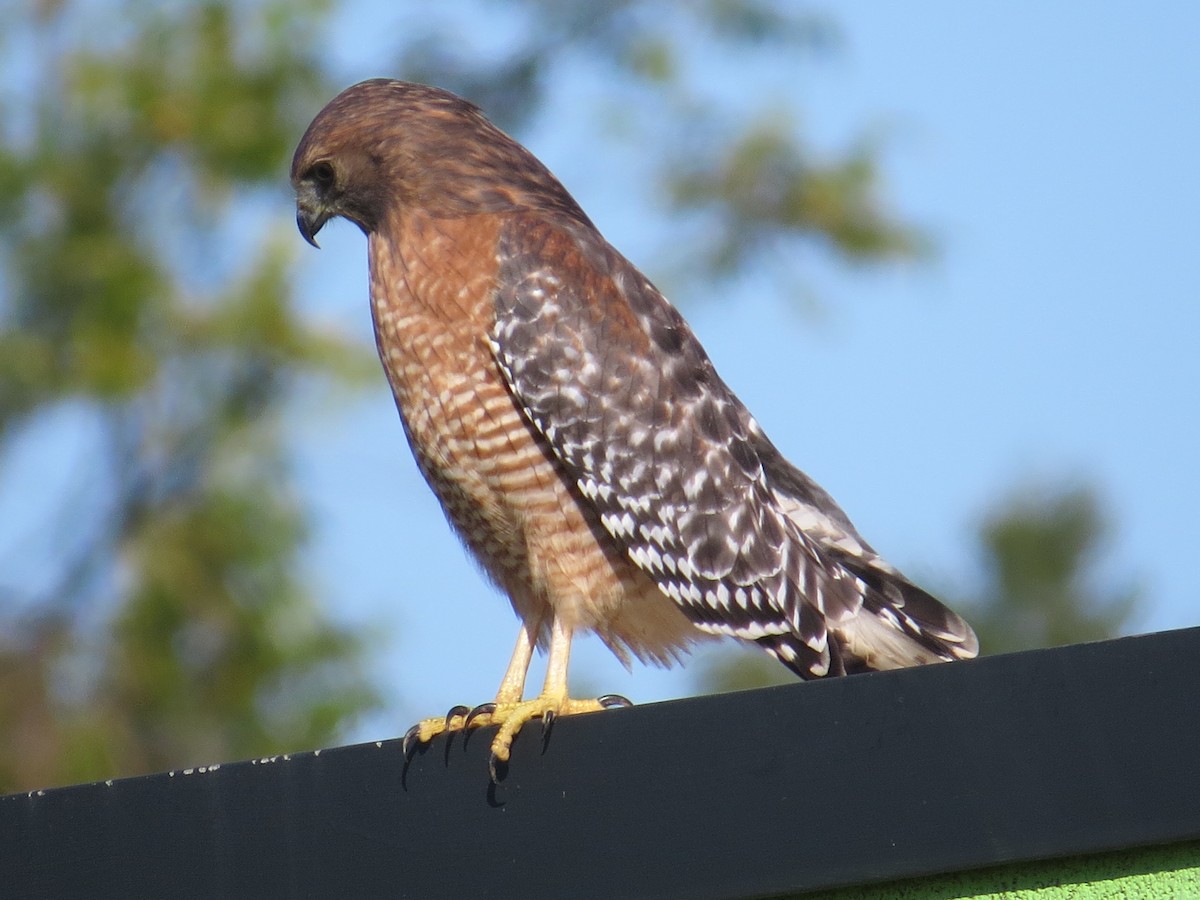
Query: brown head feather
(384,143)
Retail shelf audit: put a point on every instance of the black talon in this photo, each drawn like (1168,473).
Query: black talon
(459,710)
(609,701)
(494,764)
(548,718)
(482,709)
(409,737)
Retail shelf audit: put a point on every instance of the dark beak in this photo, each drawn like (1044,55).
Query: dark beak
(310,219)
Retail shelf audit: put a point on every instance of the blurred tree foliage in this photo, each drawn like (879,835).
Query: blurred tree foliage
(153,608)
(145,315)
(1044,585)
(734,175)
(1045,582)
(145,319)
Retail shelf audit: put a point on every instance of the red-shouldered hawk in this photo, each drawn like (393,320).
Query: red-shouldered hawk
(573,428)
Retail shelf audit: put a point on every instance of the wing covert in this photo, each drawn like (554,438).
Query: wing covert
(630,404)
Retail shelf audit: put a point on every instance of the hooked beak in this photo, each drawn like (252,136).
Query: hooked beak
(310,217)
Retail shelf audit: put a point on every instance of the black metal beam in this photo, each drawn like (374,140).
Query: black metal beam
(848,781)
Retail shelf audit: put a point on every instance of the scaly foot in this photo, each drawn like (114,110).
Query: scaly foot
(427,729)
(548,707)
(510,717)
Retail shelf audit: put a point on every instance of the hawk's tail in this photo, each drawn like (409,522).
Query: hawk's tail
(930,631)
(898,625)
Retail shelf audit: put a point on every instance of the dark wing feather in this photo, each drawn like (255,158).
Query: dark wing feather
(612,377)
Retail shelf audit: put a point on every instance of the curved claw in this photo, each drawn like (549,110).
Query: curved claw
(611,701)
(411,739)
(483,709)
(548,718)
(494,763)
(456,712)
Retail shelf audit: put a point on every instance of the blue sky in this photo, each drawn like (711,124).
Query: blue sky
(1051,150)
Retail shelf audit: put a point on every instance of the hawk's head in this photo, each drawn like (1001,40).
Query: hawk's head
(383,145)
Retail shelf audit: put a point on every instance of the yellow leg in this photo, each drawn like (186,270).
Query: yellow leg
(512,686)
(550,704)
(510,711)
(512,689)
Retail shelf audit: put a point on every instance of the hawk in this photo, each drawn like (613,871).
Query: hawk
(578,438)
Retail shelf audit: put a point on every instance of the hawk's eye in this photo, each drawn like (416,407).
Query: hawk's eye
(322,173)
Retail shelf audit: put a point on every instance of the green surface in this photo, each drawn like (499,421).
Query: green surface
(1170,873)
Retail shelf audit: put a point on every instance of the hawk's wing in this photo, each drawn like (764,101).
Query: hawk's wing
(614,380)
